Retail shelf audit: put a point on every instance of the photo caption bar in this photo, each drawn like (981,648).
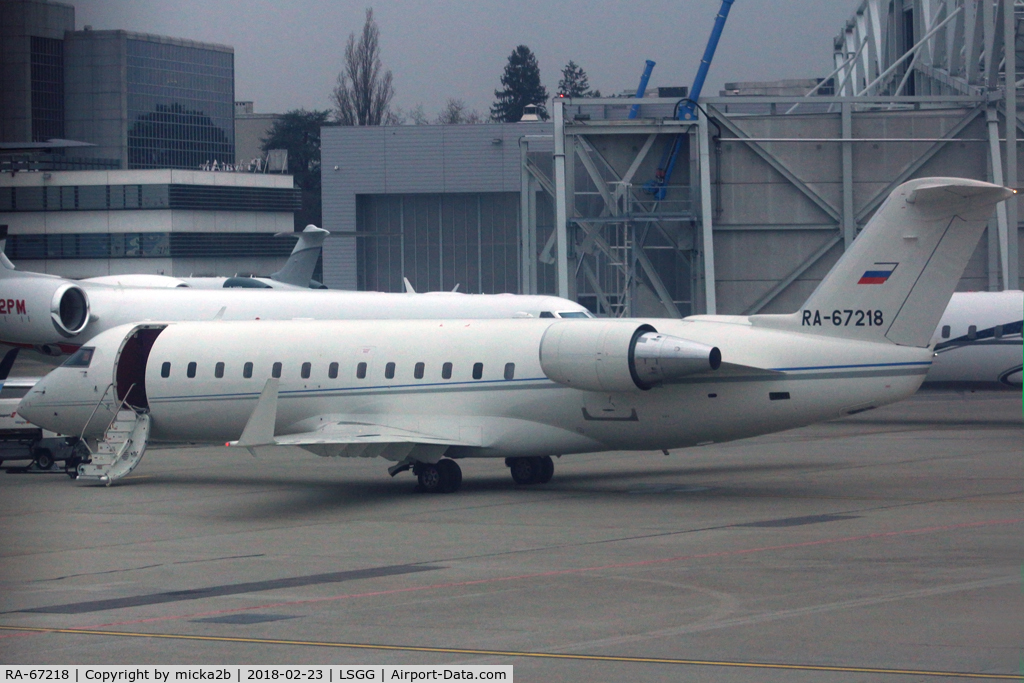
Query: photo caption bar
(411,673)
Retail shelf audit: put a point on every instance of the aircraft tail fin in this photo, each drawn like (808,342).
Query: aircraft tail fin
(5,263)
(298,269)
(7,363)
(898,276)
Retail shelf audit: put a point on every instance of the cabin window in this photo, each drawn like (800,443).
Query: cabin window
(972,332)
(361,371)
(547,314)
(165,370)
(778,395)
(275,371)
(191,370)
(389,371)
(997,332)
(306,369)
(510,370)
(945,331)
(446,371)
(478,370)
(418,370)
(218,370)
(247,371)
(80,359)
(332,371)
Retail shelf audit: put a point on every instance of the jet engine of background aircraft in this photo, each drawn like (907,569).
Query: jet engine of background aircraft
(611,356)
(49,309)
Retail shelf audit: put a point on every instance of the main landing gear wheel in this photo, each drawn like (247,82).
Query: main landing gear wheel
(531,470)
(443,477)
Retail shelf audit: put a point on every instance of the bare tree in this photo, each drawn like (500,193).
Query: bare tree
(363,94)
(418,116)
(455,111)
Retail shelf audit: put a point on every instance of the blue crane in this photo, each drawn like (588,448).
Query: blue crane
(687,108)
(644,77)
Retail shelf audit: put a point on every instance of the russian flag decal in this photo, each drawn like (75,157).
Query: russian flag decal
(878,275)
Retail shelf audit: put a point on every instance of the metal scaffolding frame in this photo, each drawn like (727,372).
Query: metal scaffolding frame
(612,229)
(945,67)
(955,47)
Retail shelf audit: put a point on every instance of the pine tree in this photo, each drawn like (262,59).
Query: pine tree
(298,131)
(522,86)
(574,82)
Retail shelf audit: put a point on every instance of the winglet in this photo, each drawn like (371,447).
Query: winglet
(408,286)
(259,430)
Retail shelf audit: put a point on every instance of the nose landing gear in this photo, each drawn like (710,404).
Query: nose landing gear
(531,470)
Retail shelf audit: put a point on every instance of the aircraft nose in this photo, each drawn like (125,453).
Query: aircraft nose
(32,406)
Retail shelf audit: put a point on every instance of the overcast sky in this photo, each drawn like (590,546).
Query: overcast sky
(288,52)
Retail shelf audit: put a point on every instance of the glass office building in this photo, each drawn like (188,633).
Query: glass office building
(47,88)
(180,105)
(150,101)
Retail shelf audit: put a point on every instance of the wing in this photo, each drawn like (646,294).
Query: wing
(345,438)
(368,440)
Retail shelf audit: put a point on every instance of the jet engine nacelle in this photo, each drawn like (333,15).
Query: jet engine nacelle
(617,355)
(41,310)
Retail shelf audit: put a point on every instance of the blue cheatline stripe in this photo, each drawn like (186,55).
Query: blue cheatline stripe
(366,388)
(462,385)
(861,365)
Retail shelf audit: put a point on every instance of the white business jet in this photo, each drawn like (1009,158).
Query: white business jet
(297,272)
(424,394)
(53,316)
(978,342)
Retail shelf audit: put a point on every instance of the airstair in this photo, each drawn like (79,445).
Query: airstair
(120,449)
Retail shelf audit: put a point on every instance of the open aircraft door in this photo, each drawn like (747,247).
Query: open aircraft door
(130,366)
(125,439)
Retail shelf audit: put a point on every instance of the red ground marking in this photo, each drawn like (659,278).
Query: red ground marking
(539,575)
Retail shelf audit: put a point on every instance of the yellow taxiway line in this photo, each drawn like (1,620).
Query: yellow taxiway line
(533,655)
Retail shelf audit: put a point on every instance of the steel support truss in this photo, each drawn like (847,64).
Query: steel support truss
(614,228)
(945,47)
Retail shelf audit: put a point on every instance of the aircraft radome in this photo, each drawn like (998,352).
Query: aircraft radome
(426,393)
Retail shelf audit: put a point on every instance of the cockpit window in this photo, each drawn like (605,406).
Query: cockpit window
(547,314)
(574,314)
(81,358)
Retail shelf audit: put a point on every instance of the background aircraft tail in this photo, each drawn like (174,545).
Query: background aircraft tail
(898,276)
(7,269)
(298,269)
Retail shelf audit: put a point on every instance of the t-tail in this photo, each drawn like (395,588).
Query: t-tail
(298,269)
(898,276)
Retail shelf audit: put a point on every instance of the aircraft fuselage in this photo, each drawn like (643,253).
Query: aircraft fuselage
(496,399)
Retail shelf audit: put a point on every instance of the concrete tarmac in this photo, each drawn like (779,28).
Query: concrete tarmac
(884,546)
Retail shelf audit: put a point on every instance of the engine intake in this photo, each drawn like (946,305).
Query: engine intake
(615,356)
(69,310)
(42,311)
